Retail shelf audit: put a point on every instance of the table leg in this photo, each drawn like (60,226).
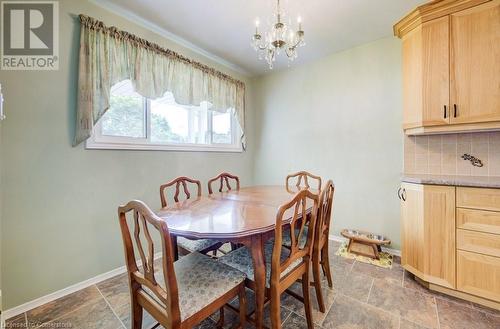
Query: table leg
(174,246)
(259,265)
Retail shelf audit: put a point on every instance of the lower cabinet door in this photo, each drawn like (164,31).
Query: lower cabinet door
(439,231)
(478,275)
(428,232)
(412,229)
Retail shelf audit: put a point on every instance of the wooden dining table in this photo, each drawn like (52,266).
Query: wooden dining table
(246,216)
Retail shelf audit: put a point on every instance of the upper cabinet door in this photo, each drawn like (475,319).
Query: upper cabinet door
(436,72)
(426,74)
(412,79)
(475,64)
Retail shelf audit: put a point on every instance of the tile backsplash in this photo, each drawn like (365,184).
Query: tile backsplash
(441,154)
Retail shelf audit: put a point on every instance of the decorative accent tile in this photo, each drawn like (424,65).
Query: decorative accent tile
(123,312)
(454,316)
(350,313)
(394,275)
(410,283)
(116,290)
(295,321)
(18,321)
(441,154)
(296,306)
(405,324)
(96,315)
(407,303)
(363,296)
(486,309)
(62,306)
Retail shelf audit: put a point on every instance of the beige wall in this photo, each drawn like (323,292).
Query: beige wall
(440,154)
(339,117)
(59,219)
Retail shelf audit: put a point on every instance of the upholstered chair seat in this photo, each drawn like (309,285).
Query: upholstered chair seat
(197,245)
(201,280)
(178,294)
(241,259)
(287,239)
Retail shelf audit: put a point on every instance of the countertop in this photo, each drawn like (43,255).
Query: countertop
(471,181)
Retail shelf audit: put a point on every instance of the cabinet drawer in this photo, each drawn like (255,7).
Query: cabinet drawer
(483,243)
(478,198)
(478,275)
(478,220)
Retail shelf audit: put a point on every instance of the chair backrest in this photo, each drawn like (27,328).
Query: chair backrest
(178,182)
(324,214)
(298,210)
(160,301)
(302,176)
(224,178)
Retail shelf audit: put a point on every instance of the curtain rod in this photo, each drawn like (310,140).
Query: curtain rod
(95,24)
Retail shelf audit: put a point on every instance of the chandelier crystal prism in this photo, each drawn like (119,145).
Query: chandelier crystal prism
(280,37)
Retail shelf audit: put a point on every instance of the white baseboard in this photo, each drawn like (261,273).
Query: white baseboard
(338,238)
(102,277)
(7,314)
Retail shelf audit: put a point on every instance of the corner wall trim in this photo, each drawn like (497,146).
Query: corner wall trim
(338,238)
(7,314)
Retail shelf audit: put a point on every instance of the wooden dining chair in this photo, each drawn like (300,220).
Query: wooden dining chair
(224,178)
(320,259)
(180,294)
(178,182)
(284,266)
(301,179)
(201,245)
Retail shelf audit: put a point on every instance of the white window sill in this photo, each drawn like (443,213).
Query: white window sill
(94,145)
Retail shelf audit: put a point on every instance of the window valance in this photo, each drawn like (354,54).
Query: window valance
(108,56)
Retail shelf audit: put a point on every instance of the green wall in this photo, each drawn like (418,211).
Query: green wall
(339,117)
(59,214)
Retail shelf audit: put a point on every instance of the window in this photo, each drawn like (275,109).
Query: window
(134,122)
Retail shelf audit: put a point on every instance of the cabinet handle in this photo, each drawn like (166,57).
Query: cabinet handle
(399,193)
(444,111)
(454,110)
(403,195)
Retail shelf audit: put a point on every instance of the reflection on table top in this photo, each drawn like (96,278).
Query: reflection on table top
(251,210)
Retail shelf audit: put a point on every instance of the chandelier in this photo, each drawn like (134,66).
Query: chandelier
(280,37)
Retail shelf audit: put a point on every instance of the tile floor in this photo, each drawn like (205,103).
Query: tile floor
(363,296)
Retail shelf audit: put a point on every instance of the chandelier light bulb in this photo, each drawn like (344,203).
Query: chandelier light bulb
(279,37)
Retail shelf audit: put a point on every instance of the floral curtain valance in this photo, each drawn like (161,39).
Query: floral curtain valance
(108,56)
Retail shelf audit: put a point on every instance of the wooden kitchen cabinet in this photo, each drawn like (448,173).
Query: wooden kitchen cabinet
(478,274)
(450,239)
(426,75)
(475,64)
(451,71)
(412,228)
(428,232)
(412,79)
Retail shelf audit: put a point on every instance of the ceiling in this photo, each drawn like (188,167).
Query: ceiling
(224,28)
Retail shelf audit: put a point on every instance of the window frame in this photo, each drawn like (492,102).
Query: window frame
(105,142)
